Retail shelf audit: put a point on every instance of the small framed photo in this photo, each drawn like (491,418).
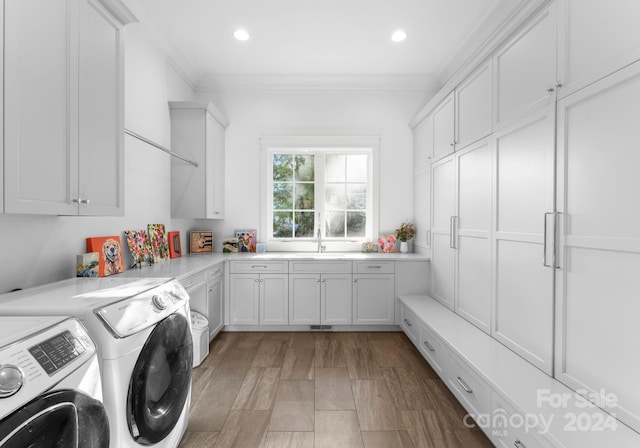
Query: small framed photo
(175,248)
(201,242)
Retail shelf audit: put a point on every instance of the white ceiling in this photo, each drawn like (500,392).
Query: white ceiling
(321,38)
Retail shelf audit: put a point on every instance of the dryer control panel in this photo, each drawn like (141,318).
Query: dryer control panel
(57,352)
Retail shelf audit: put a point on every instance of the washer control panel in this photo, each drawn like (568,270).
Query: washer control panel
(57,352)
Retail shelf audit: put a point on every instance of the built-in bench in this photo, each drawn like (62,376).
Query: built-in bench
(513,402)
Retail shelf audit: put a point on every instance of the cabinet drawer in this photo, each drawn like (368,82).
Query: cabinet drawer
(374,267)
(409,324)
(470,390)
(215,271)
(191,280)
(240,267)
(320,267)
(433,349)
(510,432)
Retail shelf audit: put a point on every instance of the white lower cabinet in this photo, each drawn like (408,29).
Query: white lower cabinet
(373,299)
(215,302)
(409,324)
(258,299)
(320,299)
(511,427)
(471,391)
(433,350)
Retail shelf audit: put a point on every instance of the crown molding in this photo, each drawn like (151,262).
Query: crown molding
(119,10)
(318,82)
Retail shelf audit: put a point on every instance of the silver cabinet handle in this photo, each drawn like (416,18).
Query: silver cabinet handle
(75,200)
(374,266)
(258,266)
(550,90)
(545,236)
(216,271)
(519,444)
(407,322)
(466,388)
(84,201)
(452,232)
(256,280)
(429,346)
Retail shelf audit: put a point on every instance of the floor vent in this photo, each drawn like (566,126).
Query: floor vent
(320,327)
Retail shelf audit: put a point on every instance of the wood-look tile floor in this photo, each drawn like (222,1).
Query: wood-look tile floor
(322,390)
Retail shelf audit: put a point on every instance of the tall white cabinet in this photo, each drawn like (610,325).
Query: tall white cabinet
(197,133)
(598,281)
(69,87)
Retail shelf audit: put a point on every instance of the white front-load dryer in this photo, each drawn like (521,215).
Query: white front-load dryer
(50,387)
(145,349)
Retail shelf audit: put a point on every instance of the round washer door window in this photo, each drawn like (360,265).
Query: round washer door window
(61,419)
(161,381)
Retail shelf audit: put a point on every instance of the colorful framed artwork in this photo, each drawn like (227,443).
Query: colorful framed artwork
(230,245)
(247,240)
(109,254)
(201,242)
(175,248)
(159,242)
(138,246)
(87,265)
(387,244)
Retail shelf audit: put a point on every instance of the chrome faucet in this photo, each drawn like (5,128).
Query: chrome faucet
(319,241)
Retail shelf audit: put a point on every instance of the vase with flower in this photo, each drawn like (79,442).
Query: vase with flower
(404,234)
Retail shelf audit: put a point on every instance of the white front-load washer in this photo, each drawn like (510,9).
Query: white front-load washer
(145,349)
(50,388)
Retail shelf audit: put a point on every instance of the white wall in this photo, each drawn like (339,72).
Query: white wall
(41,249)
(253,114)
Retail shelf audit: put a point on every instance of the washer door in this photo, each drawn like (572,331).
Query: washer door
(161,381)
(61,419)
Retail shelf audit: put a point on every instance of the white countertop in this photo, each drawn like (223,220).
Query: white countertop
(178,267)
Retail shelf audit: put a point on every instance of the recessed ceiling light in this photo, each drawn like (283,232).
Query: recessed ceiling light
(241,34)
(398,36)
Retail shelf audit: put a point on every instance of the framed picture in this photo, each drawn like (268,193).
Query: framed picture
(201,242)
(159,242)
(175,249)
(138,246)
(247,240)
(109,254)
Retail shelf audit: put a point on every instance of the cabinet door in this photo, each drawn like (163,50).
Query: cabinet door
(40,107)
(443,176)
(101,117)
(304,299)
(586,56)
(597,284)
(444,128)
(215,304)
(335,302)
(473,275)
(215,169)
(423,142)
(525,69)
(422,155)
(523,300)
(274,299)
(474,101)
(244,291)
(374,299)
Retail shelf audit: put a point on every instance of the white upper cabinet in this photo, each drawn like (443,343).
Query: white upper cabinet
(473,106)
(596,38)
(197,133)
(444,139)
(63,103)
(422,156)
(597,282)
(525,69)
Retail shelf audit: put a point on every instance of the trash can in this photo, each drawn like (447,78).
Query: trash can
(200,332)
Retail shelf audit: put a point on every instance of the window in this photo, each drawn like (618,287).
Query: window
(326,189)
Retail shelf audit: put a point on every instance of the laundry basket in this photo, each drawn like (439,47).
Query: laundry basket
(200,331)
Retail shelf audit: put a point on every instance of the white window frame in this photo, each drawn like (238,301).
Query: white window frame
(319,146)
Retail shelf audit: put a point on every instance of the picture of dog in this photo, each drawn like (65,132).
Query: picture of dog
(112,257)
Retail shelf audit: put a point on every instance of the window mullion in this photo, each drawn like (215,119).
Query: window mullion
(319,194)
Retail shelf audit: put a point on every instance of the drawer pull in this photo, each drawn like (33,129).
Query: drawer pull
(408,323)
(374,266)
(519,444)
(466,388)
(216,272)
(429,346)
(258,266)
